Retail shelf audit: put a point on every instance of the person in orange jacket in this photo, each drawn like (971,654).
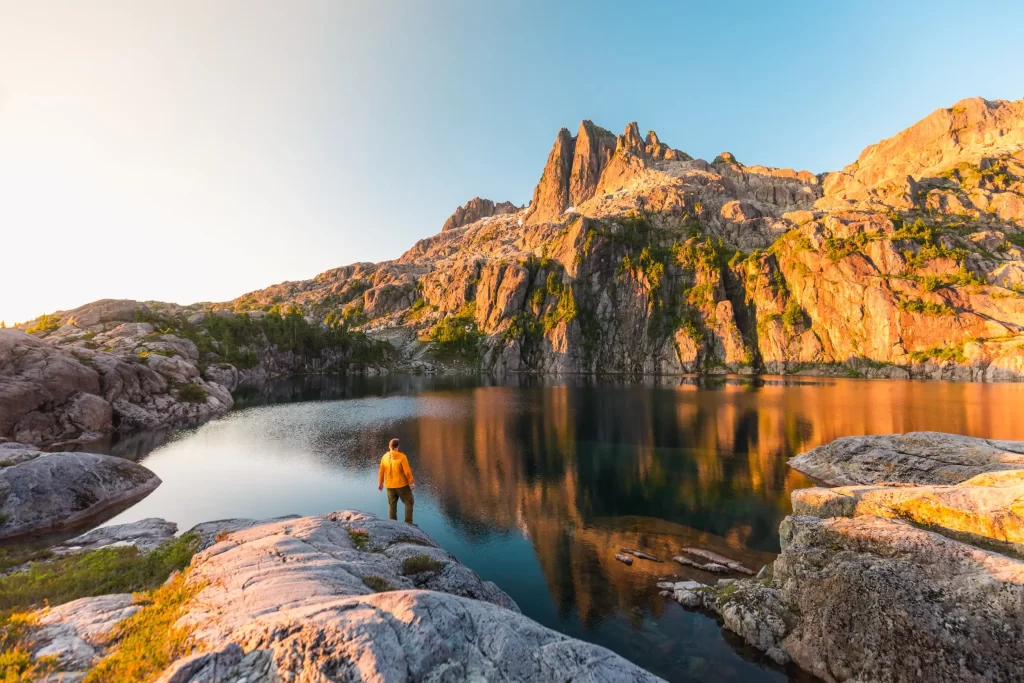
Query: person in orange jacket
(396,475)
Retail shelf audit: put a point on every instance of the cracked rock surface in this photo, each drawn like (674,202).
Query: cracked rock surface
(353,597)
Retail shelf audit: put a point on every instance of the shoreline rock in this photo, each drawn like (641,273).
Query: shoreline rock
(893,581)
(912,458)
(45,492)
(64,390)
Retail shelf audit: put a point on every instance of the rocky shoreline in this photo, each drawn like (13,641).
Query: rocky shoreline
(346,596)
(914,574)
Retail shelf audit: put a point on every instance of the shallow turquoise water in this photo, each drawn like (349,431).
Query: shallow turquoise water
(535,484)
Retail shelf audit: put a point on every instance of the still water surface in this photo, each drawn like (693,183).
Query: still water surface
(535,484)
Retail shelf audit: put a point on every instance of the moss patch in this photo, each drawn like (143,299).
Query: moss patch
(377,584)
(419,564)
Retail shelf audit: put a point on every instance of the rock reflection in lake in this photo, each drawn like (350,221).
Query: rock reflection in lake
(537,483)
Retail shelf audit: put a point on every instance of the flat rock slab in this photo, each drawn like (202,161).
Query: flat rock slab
(49,491)
(77,631)
(146,535)
(366,599)
(913,458)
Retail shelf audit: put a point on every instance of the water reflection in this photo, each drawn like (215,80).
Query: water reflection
(535,484)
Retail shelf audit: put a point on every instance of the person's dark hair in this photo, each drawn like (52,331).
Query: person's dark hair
(394,444)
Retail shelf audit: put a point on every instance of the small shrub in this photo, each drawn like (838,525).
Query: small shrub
(838,248)
(44,324)
(457,336)
(926,307)
(419,564)
(942,353)
(377,584)
(192,393)
(360,538)
(793,316)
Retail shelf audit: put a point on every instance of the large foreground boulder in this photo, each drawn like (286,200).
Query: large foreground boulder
(346,597)
(913,458)
(879,599)
(895,582)
(42,492)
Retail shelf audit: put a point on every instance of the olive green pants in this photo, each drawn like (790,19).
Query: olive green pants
(405,493)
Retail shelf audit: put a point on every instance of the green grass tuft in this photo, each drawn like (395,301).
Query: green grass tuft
(419,564)
(360,538)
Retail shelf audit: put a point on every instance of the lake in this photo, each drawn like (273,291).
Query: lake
(536,483)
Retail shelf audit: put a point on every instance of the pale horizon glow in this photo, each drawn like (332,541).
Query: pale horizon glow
(194,151)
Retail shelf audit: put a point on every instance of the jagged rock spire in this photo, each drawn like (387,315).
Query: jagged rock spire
(575,165)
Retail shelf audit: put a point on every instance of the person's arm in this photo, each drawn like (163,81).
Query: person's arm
(408,472)
(380,475)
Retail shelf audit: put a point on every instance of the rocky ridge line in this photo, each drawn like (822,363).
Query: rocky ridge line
(635,258)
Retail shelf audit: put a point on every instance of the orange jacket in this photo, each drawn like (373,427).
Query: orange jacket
(394,470)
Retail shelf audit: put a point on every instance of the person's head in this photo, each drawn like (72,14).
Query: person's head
(393,445)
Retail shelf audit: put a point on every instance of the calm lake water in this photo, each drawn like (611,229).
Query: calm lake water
(536,483)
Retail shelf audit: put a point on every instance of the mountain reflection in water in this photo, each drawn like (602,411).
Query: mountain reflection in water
(537,483)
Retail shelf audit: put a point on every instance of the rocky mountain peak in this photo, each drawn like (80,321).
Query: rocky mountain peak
(575,166)
(631,139)
(475,209)
(551,196)
(594,147)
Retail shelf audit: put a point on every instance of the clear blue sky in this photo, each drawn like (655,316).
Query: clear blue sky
(195,150)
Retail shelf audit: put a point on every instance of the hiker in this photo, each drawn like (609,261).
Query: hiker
(397,477)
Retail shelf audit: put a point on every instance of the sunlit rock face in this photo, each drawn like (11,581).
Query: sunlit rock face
(475,209)
(634,257)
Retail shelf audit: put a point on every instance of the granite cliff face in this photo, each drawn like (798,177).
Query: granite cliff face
(634,257)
